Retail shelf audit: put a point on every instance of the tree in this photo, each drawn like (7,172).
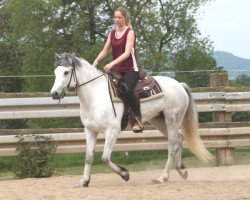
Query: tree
(243,80)
(163,28)
(45,27)
(32,31)
(173,28)
(9,58)
(189,65)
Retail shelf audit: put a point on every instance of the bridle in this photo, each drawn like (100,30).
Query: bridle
(73,75)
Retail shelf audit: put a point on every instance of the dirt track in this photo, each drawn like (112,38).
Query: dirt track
(219,183)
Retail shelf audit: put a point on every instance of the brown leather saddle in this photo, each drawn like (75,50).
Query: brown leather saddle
(146,87)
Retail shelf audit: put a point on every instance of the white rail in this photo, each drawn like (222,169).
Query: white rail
(45,107)
(221,103)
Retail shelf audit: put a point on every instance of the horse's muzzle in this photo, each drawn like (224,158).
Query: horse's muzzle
(55,95)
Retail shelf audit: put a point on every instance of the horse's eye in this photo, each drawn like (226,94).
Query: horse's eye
(66,73)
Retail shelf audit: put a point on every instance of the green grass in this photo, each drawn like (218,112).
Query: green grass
(72,164)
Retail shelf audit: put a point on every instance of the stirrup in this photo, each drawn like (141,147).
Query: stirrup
(138,125)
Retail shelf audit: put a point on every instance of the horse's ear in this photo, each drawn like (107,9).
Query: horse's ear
(68,58)
(57,56)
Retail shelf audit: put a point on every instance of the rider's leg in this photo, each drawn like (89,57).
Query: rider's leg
(131,79)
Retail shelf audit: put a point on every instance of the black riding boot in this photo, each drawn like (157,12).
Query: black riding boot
(134,104)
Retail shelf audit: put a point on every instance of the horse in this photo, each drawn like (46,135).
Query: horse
(175,110)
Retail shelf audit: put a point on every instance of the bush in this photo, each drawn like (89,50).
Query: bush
(35,158)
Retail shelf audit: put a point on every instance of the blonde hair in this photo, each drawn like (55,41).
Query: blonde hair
(126,14)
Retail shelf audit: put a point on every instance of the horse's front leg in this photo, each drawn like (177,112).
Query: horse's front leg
(110,140)
(90,143)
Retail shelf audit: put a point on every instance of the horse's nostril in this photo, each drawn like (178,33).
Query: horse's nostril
(54,95)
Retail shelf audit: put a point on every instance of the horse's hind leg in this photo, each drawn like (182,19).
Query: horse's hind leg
(110,139)
(179,165)
(159,123)
(172,149)
(168,129)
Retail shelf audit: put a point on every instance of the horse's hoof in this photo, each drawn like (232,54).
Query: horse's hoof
(156,181)
(125,176)
(161,179)
(85,184)
(185,175)
(124,173)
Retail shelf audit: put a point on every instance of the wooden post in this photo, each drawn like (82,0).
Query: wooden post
(219,79)
(224,156)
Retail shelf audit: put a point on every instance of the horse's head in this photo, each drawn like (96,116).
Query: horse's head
(65,76)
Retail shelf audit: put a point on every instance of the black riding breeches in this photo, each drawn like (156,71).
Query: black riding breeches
(131,79)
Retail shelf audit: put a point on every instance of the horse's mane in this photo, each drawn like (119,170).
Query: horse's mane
(68,59)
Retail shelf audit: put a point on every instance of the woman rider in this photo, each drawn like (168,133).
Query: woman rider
(122,42)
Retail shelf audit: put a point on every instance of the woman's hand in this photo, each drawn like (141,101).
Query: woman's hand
(108,67)
(95,63)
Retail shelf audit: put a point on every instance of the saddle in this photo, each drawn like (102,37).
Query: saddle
(146,87)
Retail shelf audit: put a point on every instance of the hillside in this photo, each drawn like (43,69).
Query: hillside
(232,62)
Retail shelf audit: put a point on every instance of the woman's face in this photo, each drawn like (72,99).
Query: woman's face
(119,18)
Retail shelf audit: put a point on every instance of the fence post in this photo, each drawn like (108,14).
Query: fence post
(224,156)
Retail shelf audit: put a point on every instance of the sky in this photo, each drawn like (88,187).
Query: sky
(227,24)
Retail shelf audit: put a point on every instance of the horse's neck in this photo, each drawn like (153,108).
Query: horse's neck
(92,92)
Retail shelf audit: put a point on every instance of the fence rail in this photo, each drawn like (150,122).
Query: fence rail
(222,135)
(45,107)
(222,138)
(128,141)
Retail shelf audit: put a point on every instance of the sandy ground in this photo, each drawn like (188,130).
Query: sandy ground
(218,183)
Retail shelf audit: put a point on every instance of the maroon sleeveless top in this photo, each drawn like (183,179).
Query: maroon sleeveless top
(118,48)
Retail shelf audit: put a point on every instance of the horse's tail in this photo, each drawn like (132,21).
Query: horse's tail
(190,129)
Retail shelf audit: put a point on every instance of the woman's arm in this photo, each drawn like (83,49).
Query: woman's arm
(104,51)
(129,45)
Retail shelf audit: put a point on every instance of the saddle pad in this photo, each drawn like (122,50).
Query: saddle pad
(156,96)
(117,99)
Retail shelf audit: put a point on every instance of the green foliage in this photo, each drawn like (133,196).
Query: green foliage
(35,158)
(41,123)
(241,117)
(191,60)
(205,117)
(13,123)
(73,163)
(144,160)
(133,157)
(54,123)
(34,30)
(6,163)
(241,80)
(9,57)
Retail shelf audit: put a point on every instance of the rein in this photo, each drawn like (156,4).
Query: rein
(73,74)
(89,80)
